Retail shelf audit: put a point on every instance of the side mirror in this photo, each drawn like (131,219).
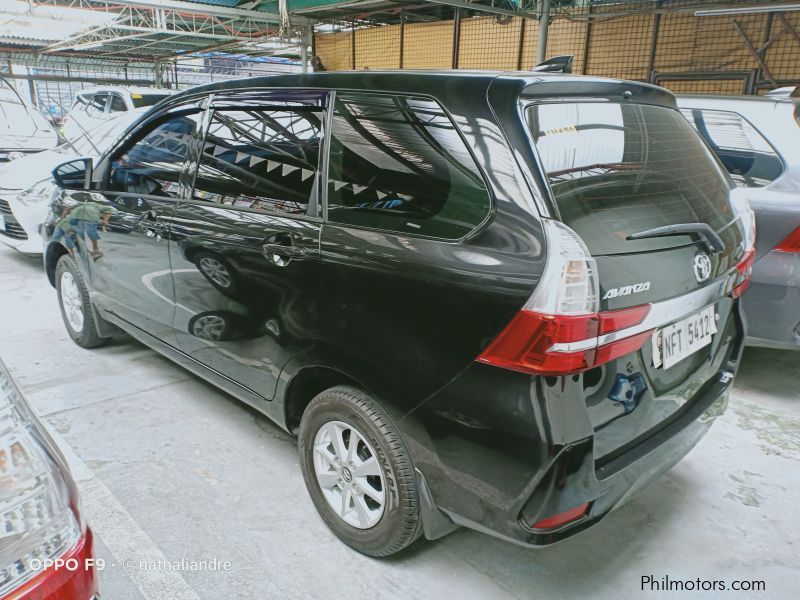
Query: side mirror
(74,175)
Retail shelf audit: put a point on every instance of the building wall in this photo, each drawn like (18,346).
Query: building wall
(658,42)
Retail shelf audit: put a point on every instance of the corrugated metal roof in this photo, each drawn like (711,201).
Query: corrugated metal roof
(127,30)
(45,23)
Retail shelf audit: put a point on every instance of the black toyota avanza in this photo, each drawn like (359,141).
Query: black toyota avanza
(499,301)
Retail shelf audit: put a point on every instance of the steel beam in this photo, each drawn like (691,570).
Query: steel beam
(482,8)
(748,10)
(192,8)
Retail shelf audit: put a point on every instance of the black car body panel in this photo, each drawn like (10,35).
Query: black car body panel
(274,304)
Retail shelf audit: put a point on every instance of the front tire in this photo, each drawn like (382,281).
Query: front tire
(76,306)
(358,472)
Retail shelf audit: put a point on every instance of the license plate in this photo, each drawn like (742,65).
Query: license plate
(673,343)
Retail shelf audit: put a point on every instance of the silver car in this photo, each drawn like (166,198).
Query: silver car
(27,187)
(23,129)
(757,139)
(96,106)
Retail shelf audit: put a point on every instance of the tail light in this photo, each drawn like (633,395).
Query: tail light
(791,243)
(744,268)
(558,330)
(39,518)
(744,272)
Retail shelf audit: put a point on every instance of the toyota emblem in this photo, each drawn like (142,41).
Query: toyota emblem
(702,267)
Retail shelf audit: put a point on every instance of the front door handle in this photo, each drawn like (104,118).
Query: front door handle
(286,251)
(281,254)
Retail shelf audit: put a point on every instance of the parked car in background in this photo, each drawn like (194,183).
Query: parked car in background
(95,106)
(23,129)
(40,518)
(784,92)
(507,303)
(27,187)
(757,139)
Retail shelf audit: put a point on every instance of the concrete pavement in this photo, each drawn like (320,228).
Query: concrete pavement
(170,468)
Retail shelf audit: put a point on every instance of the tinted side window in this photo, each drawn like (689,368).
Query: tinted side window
(265,159)
(117,104)
(743,151)
(81,103)
(97,105)
(397,163)
(153,164)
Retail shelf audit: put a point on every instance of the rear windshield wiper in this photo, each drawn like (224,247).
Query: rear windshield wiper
(701,231)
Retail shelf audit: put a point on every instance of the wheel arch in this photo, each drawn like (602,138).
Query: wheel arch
(53,253)
(308,381)
(305,385)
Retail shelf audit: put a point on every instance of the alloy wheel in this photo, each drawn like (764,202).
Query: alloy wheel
(72,301)
(215,271)
(349,474)
(209,327)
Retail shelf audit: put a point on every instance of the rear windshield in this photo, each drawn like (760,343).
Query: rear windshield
(617,169)
(141,100)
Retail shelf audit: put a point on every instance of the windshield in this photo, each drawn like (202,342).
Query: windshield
(98,140)
(141,100)
(18,119)
(617,169)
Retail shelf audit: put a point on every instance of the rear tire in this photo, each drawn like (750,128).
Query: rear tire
(76,306)
(365,490)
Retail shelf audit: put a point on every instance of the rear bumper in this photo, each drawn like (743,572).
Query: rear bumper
(772,302)
(501,451)
(604,494)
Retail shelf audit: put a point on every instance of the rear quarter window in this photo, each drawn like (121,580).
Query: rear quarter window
(397,163)
(740,147)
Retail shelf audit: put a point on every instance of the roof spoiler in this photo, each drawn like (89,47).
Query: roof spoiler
(557,64)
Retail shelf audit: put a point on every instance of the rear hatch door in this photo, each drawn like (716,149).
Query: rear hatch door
(619,168)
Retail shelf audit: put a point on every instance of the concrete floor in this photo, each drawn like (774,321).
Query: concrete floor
(170,467)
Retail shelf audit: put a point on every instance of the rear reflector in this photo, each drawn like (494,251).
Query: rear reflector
(562,518)
(791,243)
(546,344)
(744,271)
